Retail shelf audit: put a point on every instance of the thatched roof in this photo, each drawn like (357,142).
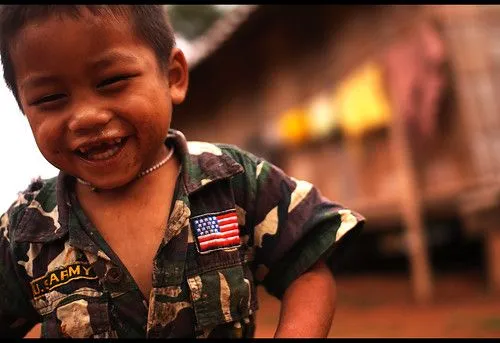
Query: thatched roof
(217,34)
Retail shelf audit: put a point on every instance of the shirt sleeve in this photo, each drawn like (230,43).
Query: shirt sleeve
(294,227)
(17,316)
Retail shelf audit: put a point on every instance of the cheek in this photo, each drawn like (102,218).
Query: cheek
(48,136)
(152,112)
(153,131)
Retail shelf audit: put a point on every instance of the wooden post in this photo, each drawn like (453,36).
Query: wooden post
(411,209)
(402,73)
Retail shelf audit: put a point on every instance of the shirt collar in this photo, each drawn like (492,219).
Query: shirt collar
(202,163)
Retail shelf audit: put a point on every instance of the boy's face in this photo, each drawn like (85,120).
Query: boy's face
(97,100)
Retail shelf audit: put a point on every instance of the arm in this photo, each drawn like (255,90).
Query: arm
(308,304)
(293,227)
(17,316)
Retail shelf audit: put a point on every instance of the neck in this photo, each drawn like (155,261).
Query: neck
(142,174)
(134,191)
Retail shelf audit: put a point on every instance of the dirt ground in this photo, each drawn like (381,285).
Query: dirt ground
(382,306)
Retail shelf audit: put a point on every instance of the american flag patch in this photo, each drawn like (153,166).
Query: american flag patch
(216,231)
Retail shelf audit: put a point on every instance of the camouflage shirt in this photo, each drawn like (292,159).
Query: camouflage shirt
(237,221)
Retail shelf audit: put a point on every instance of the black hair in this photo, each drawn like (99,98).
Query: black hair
(150,23)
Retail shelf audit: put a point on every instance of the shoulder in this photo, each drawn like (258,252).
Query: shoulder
(219,149)
(239,154)
(40,195)
(222,155)
(219,161)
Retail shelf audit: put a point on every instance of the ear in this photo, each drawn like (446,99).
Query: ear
(178,76)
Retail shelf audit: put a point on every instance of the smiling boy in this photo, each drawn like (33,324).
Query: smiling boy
(143,234)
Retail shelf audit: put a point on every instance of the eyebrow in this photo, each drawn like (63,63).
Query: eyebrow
(111,58)
(37,80)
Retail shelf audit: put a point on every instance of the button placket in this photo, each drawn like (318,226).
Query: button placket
(114,275)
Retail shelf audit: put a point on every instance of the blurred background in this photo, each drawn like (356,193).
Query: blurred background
(390,110)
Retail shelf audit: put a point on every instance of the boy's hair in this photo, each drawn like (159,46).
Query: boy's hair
(150,23)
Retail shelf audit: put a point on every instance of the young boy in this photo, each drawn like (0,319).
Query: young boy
(143,234)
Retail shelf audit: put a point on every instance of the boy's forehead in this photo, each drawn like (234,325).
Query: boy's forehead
(102,20)
(41,45)
(103,17)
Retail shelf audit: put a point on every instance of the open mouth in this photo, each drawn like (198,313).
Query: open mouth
(102,150)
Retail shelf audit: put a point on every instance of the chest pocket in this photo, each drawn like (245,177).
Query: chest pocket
(220,281)
(222,291)
(77,309)
(79,317)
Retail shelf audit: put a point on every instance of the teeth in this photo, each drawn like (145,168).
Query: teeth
(104,155)
(84,150)
(113,148)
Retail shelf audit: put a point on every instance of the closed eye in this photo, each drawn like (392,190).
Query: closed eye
(113,80)
(47,99)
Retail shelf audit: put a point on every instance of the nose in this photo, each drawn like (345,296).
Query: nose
(86,119)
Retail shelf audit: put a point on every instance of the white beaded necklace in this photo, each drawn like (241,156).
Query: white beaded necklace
(141,174)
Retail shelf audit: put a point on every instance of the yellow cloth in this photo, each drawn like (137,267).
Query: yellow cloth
(362,101)
(293,126)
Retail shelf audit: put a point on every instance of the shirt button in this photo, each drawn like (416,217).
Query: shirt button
(114,275)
